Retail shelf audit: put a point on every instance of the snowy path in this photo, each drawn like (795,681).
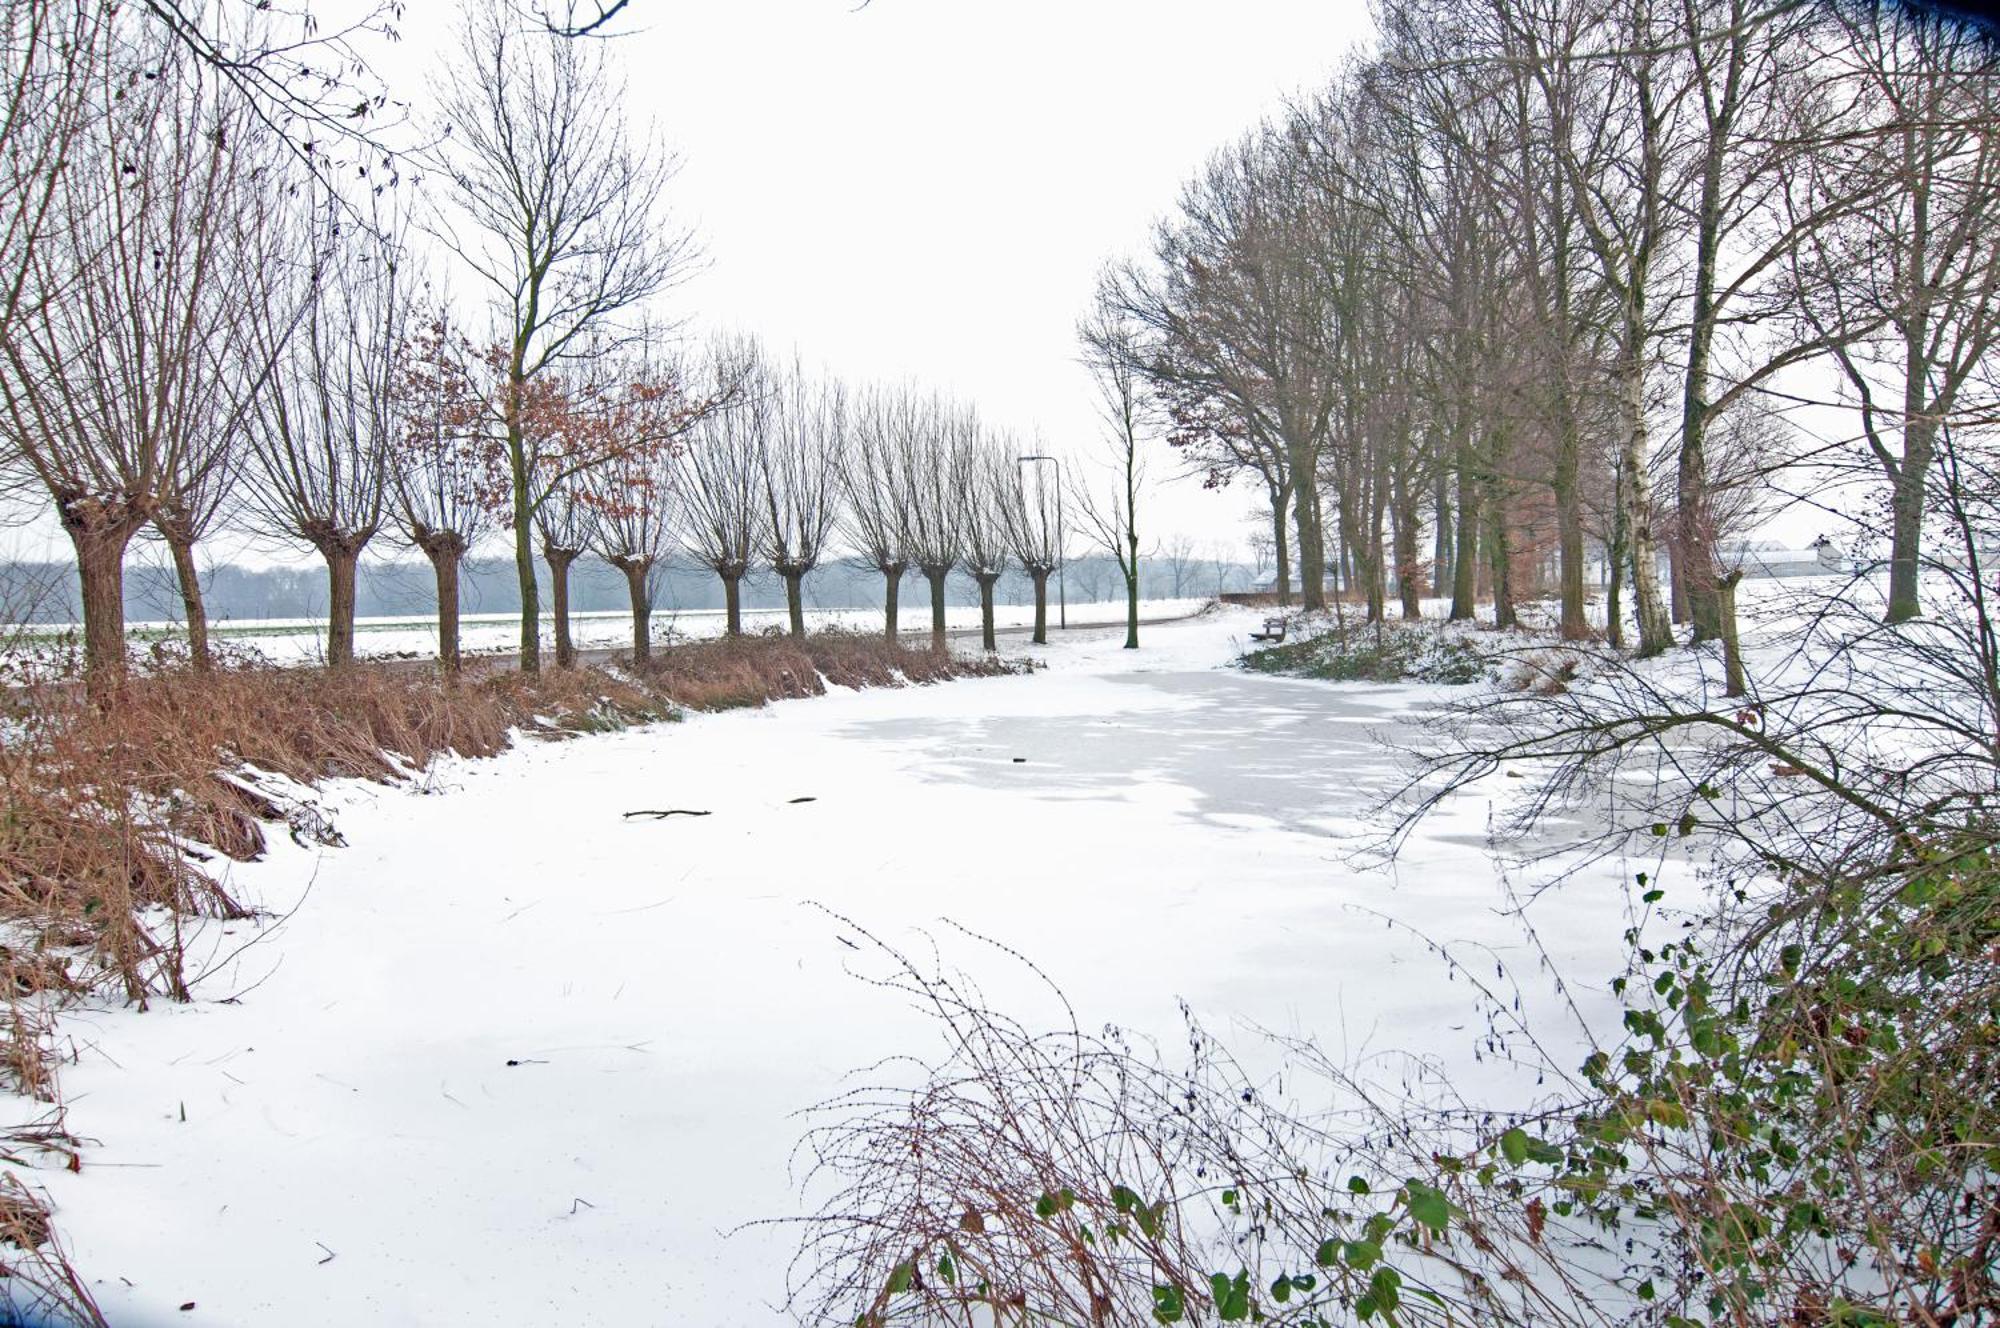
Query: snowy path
(1168,833)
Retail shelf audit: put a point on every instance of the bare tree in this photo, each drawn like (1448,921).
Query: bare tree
(1180,555)
(800,453)
(993,474)
(1920,264)
(560,201)
(322,433)
(936,483)
(722,500)
(634,528)
(1110,511)
(442,474)
(567,524)
(110,387)
(875,479)
(1031,511)
(51,56)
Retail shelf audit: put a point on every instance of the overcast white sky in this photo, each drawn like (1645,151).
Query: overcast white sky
(926,188)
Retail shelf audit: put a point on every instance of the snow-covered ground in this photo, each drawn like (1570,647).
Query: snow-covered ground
(511,1058)
(303,640)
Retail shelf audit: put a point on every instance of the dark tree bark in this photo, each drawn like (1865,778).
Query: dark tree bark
(795,604)
(193,607)
(1733,680)
(445,552)
(559,560)
(732,599)
(1569,535)
(936,576)
(1465,566)
(635,570)
(1040,576)
(1282,549)
(100,531)
(987,640)
(341,561)
(892,590)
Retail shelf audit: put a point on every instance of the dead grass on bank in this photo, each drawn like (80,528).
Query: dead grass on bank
(731,673)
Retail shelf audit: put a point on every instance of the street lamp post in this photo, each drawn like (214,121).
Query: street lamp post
(1062,551)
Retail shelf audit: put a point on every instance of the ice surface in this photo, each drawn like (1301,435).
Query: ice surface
(1175,830)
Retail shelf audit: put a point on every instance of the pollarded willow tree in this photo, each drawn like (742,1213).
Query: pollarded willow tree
(723,509)
(559,216)
(333,319)
(942,449)
(875,482)
(567,524)
(112,386)
(633,528)
(987,532)
(801,443)
(442,473)
(1030,513)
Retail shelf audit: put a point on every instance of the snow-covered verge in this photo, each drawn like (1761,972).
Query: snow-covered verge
(511,1055)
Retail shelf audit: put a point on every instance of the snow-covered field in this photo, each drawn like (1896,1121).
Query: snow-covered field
(303,640)
(511,1058)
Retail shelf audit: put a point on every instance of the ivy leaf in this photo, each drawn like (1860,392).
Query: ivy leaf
(1427,1205)
(1514,1145)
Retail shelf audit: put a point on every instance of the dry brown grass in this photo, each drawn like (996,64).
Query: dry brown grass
(752,670)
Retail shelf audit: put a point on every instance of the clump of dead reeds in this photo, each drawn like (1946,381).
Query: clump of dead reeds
(735,672)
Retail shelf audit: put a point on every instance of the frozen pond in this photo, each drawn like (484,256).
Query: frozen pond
(1171,830)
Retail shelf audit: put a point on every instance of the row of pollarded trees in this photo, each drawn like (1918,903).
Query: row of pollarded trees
(793,464)
(1534,277)
(202,329)
(202,326)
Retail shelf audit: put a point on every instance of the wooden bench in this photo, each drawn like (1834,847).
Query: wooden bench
(1274,630)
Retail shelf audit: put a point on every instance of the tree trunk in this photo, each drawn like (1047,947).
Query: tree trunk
(559,561)
(1733,680)
(1569,534)
(1502,558)
(795,604)
(1465,559)
(524,524)
(100,563)
(1041,579)
(1132,590)
(987,640)
(1906,518)
(1614,565)
(1282,550)
(642,607)
(732,600)
(1312,542)
(1677,575)
(936,576)
(1656,632)
(340,596)
(192,605)
(444,554)
(1403,522)
(892,590)
(1441,548)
